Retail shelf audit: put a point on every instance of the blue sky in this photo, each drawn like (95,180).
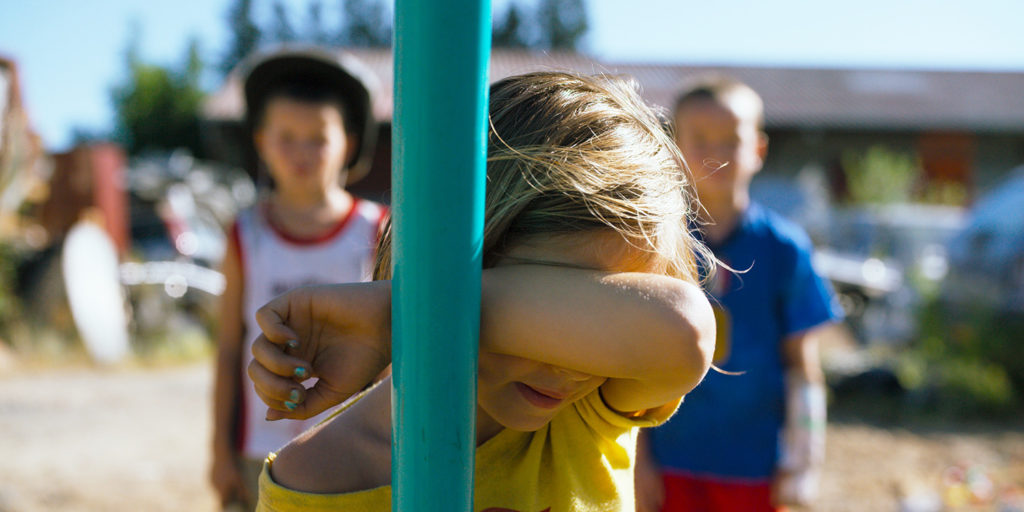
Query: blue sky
(71,52)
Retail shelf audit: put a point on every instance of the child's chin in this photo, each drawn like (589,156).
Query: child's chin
(528,424)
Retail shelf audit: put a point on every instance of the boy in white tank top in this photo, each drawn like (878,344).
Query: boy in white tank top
(312,125)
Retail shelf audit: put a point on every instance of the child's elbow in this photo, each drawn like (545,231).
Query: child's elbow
(693,339)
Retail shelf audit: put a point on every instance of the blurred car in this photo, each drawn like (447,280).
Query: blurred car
(179,208)
(878,257)
(986,257)
(906,240)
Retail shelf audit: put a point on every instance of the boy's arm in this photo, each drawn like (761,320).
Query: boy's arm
(226,389)
(800,355)
(649,487)
(652,336)
(803,446)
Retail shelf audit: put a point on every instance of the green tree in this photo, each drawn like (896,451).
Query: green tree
(365,24)
(314,24)
(563,23)
(879,175)
(508,33)
(282,29)
(245,35)
(157,108)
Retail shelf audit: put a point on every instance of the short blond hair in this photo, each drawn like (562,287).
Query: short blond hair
(724,90)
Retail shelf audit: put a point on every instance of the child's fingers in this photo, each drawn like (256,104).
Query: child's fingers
(271,319)
(284,397)
(318,399)
(274,389)
(288,399)
(273,358)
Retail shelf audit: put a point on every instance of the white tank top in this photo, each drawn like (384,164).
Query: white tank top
(272,263)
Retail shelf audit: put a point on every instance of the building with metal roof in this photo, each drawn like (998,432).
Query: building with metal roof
(963,127)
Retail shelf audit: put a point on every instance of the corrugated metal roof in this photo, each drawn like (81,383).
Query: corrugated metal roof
(885,99)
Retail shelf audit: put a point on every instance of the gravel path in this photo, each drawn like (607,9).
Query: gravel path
(136,439)
(88,440)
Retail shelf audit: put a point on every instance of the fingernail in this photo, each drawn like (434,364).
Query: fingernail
(300,372)
(293,344)
(290,405)
(294,396)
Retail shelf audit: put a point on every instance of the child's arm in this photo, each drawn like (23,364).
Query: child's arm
(225,474)
(648,483)
(651,335)
(803,446)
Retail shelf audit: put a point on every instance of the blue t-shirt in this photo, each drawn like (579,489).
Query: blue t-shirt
(729,426)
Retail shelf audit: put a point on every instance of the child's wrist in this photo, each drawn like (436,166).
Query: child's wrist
(803,446)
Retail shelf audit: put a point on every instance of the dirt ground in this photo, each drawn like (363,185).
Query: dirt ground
(86,439)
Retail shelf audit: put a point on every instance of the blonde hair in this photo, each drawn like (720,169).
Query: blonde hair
(568,154)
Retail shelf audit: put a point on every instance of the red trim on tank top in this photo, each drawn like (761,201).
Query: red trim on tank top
(384,212)
(314,240)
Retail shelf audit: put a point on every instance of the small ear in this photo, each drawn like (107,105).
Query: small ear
(351,148)
(762,145)
(762,149)
(258,140)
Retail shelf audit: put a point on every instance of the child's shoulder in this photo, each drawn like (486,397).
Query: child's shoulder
(369,209)
(346,453)
(249,213)
(775,228)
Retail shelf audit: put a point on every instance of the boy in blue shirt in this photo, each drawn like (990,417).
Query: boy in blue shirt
(753,440)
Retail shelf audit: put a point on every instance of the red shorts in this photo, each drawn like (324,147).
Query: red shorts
(688,493)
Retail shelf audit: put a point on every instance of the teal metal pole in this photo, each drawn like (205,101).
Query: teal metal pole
(442,49)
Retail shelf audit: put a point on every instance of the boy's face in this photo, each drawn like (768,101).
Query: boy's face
(304,145)
(723,147)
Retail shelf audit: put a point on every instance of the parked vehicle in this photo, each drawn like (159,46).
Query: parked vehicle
(986,257)
(179,209)
(879,258)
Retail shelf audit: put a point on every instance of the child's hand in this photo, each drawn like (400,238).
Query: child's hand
(227,479)
(796,488)
(340,334)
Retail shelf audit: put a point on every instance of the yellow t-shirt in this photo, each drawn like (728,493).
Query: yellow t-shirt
(581,461)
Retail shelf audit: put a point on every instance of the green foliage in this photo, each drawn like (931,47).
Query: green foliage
(10,304)
(157,108)
(282,28)
(509,32)
(178,341)
(563,23)
(552,24)
(314,24)
(968,361)
(944,192)
(879,175)
(971,387)
(245,35)
(365,24)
